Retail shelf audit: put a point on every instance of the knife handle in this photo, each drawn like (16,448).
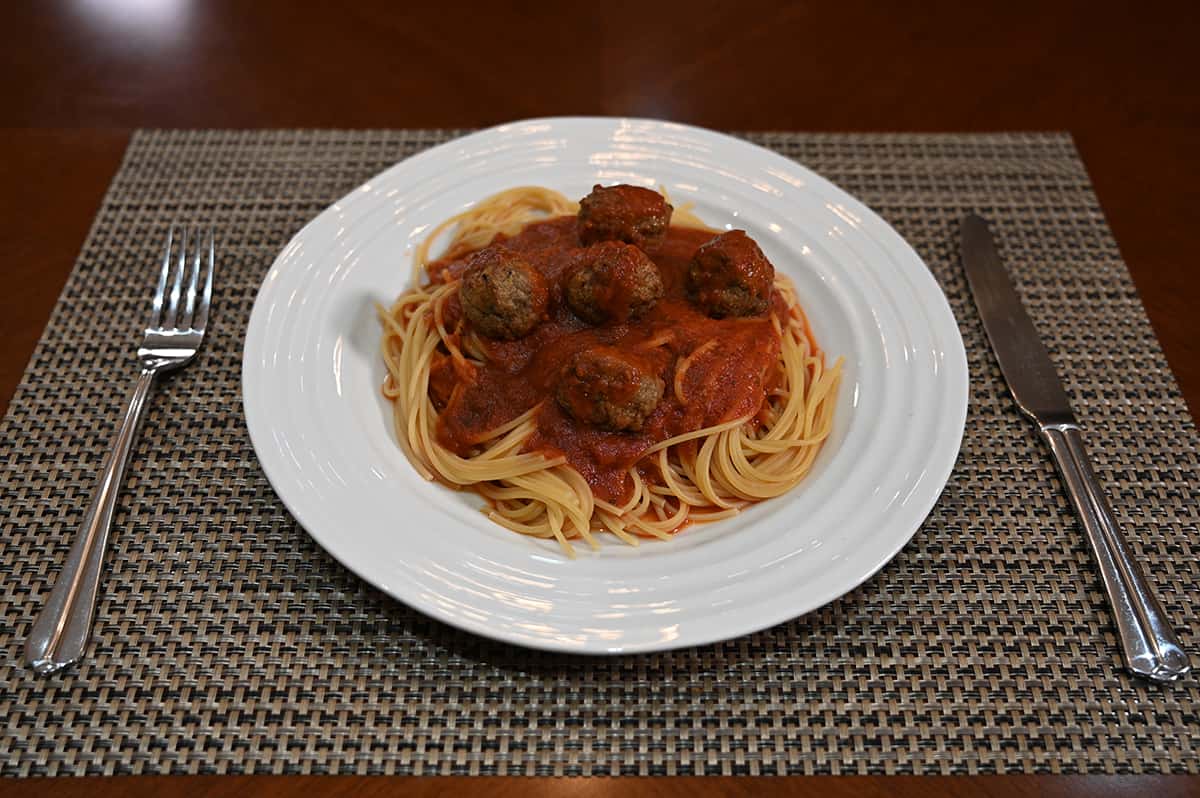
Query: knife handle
(1148,643)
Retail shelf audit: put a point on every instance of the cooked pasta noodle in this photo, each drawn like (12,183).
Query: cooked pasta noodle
(700,475)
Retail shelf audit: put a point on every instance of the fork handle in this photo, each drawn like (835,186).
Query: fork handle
(1148,643)
(62,629)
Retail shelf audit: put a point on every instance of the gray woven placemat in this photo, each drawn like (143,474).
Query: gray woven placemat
(228,641)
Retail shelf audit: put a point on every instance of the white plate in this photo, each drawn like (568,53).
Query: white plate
(312,371)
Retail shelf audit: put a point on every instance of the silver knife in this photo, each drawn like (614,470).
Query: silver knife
(1148,643)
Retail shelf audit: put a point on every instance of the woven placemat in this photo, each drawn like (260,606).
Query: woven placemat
(228,642)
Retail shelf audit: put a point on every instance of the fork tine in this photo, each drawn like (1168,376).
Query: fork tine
(201,320)
(177,283)
(157,306)
(189,304)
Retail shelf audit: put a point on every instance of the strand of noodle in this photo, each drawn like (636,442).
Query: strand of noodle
(606,507)
(563,495)
(557,495)
(530,513)
(414,403)
(651,529)
(775,444)
(614,525)
(591,541)
(686,455)
(770,476)
(635,497)
(690,464)
(439,300)
(554,518)
(509,211)
(686,363)
(465,471)
(539,531)
(474,347)
(786,431)
(403,363)
(700,433)
(717,515)
(391,387)
(514,503)
(810,412)
(762,446)
(666,526)
(392,327)
(725,468)
(822,399)
(684,215)
(793,406)
(503,213)
(426,345)
(421,257)
(779,456)
(543,530)
(703,476)
(644,497)
(777,326)
(754,482)
(658,340)
(583,495)
(514,437)
(408,402)
(419,462)
(674,487)
(662,507)
(796,388)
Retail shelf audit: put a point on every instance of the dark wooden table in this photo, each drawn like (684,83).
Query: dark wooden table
(79,75)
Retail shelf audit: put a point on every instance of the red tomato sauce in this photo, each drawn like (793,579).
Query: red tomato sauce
(728,380)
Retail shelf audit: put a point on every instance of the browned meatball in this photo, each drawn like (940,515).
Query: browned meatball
(502,296)
(602,387)
(631,214)
(730,276)
(615,282)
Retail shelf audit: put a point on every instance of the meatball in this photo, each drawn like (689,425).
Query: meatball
(730,276)
(615,282)
(631,214)
(602,387)
(502,295)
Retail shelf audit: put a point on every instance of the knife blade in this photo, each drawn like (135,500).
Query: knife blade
(1026,366)
(1149,645)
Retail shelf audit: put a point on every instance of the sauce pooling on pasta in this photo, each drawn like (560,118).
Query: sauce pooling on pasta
(714,370)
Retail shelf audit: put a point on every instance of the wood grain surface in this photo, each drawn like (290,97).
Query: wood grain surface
(79,75)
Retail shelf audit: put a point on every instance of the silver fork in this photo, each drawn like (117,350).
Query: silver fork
(172,337)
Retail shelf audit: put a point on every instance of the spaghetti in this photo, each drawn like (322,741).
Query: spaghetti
(747,406)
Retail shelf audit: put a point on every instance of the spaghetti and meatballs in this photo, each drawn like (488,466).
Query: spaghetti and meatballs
(607,366)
